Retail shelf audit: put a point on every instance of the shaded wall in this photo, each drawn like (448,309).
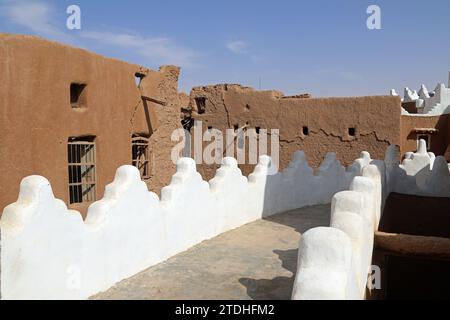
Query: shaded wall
(411,248)
(439,140)
(36,117)
(376,121)
(416,215)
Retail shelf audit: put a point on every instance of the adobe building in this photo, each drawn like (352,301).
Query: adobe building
(74,117)
(425,115)
(345,126)
(320,125)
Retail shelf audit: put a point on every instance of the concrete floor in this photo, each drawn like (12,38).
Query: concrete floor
(255,261)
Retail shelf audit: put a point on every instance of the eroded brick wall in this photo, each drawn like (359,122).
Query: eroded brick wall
(329,121)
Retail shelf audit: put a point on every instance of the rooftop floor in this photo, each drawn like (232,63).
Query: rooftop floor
(255,261)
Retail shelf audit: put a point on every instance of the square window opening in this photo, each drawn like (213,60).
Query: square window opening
(201,105)
(77,95)
(305,131)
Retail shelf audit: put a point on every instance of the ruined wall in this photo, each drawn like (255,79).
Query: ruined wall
(439,139)
(36,118)
(162,86)
(376,121)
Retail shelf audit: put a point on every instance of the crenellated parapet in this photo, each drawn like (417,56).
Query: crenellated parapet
(434,103)
(335,262)
(49,252)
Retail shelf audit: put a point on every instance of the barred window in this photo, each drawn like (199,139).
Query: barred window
(82,175)
(140,154)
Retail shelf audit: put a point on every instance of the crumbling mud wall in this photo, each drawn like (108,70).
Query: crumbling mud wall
(345,126)
(161,87)
(36,117)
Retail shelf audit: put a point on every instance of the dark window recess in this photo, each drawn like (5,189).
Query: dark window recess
(201,105)
(186,118)
(137,80)
(82,173)
(78,95)
(138,76)
(236,127)
(210,128)
(140,154)
(258,129)
(352,132)
(305,131)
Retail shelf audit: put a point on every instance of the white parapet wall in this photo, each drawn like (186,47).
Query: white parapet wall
(428,104)
(49,252)
(420,173)
(334,262)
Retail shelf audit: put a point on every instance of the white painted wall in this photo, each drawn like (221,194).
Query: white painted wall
(427,104)
(335,261)
(356,215)
(49,252)
(420,173)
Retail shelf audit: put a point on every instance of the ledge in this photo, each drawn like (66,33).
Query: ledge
(413,246)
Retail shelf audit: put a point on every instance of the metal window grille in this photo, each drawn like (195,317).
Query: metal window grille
(82,173)
(140,155)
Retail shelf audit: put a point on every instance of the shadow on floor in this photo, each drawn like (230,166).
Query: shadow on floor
(303,219)
(280,288)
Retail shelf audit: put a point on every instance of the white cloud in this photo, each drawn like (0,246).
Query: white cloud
(158,50)
(40,17)
(33,15)
(236,46)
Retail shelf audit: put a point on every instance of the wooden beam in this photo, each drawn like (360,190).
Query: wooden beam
(413,246)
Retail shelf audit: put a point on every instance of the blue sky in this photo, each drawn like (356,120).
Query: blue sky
(322,47)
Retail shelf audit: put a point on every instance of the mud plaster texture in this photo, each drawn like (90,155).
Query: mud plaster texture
(256,261)
(36,117)
(439,140)
(376,121)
